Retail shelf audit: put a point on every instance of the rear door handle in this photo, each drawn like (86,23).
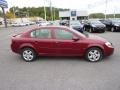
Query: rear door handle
(57,42)
(35,41)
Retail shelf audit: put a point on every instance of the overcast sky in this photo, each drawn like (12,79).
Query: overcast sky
(89,5)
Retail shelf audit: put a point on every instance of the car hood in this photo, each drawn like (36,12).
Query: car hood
(98,25)
(76,26)
(117,24)
(96,38)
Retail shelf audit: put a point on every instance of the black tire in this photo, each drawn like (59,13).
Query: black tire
(91,30)
(103,31)
(84,28)
(112,29)
(93,56)
(28,58)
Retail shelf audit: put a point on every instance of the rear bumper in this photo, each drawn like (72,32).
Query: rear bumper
(14,49)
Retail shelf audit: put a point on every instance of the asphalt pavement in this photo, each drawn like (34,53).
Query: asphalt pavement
(57,73)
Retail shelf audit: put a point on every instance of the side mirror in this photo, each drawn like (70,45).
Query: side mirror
(75,38)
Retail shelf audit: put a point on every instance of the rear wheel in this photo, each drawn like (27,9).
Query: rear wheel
(112,29)
(94,54)
(28,54)
(84,28)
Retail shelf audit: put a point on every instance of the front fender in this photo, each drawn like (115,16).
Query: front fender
(96,45)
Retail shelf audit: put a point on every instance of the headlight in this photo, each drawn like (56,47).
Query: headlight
(93,26)
(116,25)
(108,44)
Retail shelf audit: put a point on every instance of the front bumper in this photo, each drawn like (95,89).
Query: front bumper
(117,28)
(99,29)
(108,51)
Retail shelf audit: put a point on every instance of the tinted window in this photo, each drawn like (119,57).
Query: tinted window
(63,34)
(42,33)
(75,23)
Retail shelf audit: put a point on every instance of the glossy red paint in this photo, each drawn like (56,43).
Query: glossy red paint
(59,47)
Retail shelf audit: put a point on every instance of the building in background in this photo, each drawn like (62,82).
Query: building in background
(73,15)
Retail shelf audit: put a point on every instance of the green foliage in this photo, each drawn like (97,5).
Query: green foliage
(97,15)
(32,12)
(9,15)
(101,15)
(0,13)
(112,16)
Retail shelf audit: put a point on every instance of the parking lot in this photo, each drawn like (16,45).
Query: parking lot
(57,73)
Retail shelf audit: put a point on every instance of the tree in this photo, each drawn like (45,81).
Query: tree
(97,15)
(0,13)
(34,12)
(14,9)
(9,15)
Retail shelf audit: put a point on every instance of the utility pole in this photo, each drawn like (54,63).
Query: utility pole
(106,9)
(14,12)
(88,11)
(114,14)
(44,11)
(4,17)
(51,10)
(54,14)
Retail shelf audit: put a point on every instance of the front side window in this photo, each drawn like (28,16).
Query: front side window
(63,34)
(42,33)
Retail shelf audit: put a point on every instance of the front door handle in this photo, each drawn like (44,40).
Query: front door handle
(35,41)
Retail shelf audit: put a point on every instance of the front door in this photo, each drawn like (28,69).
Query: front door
(65,45)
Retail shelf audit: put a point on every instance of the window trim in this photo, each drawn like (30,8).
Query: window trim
(64,30)
(50,32)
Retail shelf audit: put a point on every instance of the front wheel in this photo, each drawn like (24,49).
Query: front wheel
(91,30)
(94,54)
(28,54)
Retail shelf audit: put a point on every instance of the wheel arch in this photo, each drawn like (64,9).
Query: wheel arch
(28,46)
(95,46)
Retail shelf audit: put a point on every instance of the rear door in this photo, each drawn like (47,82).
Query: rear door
(43,41)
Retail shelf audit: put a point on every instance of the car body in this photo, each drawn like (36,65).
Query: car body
(26,23)
(112,25)
(75,24)
(43,23)
(59,41)
(31,23)
(18,24)
(94,26)
(56,23)
(64,22)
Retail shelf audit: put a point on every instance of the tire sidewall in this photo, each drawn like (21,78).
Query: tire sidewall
(112,29)
(34,54)
(94,48)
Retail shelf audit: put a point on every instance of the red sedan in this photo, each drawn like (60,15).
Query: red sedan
(60,41)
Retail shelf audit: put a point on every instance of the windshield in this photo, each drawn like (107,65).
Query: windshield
(95,22)
(116,21)
(75,23)
(81,34)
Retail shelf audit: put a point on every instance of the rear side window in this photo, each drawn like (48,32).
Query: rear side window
(42,33)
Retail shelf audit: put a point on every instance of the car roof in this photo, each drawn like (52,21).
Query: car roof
(52,26)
